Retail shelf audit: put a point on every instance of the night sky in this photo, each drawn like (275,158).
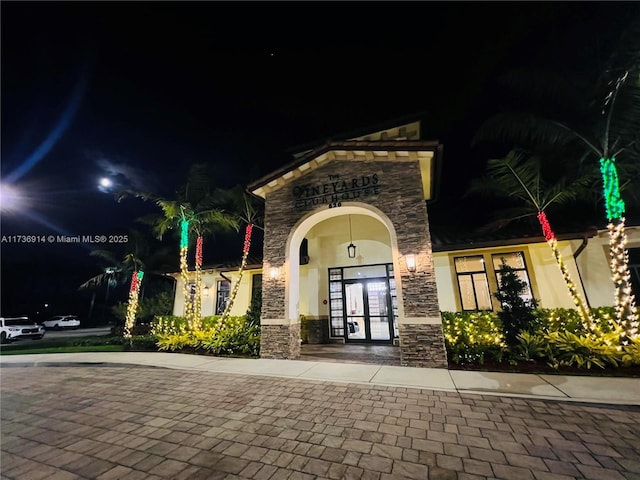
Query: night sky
(139,91)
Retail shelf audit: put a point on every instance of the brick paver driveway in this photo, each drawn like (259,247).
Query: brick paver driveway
(130,422)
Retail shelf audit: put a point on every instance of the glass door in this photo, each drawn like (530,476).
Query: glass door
(355,313)
(378,310)
(367,310)
(363,303)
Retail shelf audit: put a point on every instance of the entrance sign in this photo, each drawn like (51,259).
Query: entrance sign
(336,190)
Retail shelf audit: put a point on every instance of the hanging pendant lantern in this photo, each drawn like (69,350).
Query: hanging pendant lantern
(351,248)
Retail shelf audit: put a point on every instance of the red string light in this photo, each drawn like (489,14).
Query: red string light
(247,238)
(134,282)
(546,227)
(199,251)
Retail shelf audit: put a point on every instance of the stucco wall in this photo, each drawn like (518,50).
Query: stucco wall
(594,267)
(210,279)
(552,290)
(549,287)
(445,281)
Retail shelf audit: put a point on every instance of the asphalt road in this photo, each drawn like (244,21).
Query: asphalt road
(80,332)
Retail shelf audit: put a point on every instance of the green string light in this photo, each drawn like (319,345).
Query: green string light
(140,275)
(613,202)
(184,233)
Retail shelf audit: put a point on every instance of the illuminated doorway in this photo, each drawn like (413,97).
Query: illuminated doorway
(364,305)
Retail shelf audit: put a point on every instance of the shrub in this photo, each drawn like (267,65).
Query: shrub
(554,336)
(630,354)
(531,347)
(148,309)
(236,336)
(141,343)
(175,325)
(569,349)
(254,311)
(567,319)
(473,337)
(517,312)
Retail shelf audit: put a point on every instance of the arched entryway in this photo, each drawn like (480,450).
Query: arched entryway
(341,297)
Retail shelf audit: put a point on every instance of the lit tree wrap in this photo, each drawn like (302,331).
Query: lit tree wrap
(626,311)
(550,237)
(197,303)
(546,227)
(247,239)
(184,271)
(199,251)
(132,306)
(184,233)
(611,189)
(245,254)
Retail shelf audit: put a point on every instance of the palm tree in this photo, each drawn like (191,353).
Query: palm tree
(138,257)
(249,212)
(607,129)
(196,209)
(519,177)
(109,277)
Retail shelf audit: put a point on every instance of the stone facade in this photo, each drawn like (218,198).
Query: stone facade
(280,341)
(317,329)
(394,188)
(422,346)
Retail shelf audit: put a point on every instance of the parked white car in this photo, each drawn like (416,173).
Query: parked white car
(62,321)
(13,328)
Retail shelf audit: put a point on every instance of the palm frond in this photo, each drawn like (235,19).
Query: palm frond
(215,221)
(101,279)
(133,262)
(502,218)
(163,226)
(524,130)
(174,210)
(107,255)
(128,193)
(511,177)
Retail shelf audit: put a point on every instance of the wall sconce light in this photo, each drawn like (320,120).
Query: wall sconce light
(351,248)
(274,272)
(411,262)
(205,291)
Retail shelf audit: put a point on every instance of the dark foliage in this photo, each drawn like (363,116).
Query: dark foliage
(517,312)
(253,313)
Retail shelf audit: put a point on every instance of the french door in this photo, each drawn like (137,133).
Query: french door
(367,308)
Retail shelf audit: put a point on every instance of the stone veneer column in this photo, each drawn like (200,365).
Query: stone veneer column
(420,328)
(280,335)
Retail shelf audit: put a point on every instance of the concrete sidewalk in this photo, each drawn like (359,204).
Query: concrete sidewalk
(591,389)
